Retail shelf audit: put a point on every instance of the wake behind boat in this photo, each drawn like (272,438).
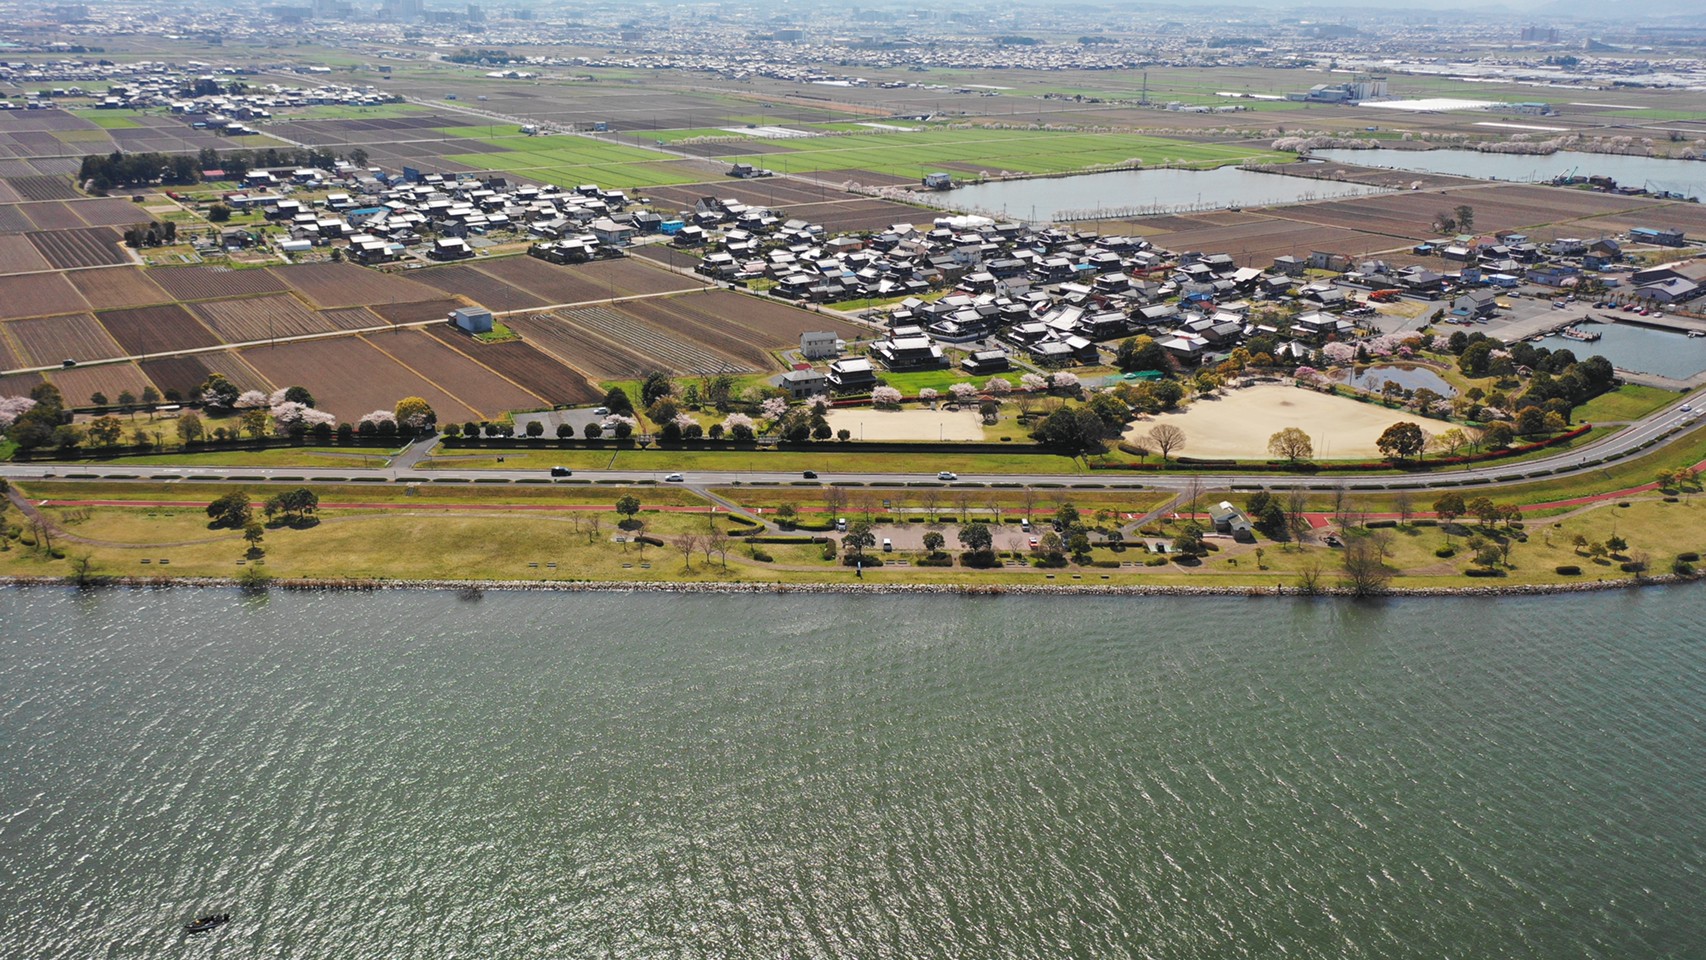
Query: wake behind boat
(207,923)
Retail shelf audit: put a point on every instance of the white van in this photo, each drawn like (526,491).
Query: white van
(888,545)
(840,524)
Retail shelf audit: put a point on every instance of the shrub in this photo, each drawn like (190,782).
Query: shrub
(1689,556)
(1568,570)
(938,560)
(1380,524)
(849,560)
(1049,563)
(1160,561)
(980,559)
(648,540)
(1444,552)
(1631,566)
(1483,572)
(762,557)
(1106,564)
(1682,568)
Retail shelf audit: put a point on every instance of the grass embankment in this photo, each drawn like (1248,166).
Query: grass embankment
(1628,402)
(433,542)
(316,457)
(827,460)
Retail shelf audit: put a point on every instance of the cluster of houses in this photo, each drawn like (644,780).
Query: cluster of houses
(383,218)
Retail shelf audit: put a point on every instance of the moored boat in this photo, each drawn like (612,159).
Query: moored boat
(206,923)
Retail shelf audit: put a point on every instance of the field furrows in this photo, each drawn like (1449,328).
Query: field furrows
(87,247)
(659,347)
(584,348)
(260,318)
(713,333)
(161,329)
(49,340)
(118,287)
(350,378)
(471,382)
(208,283)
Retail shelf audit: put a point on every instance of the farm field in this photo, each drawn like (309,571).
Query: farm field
(38,295)
(161,329)
(473,384)
(570,160)
(118,287)
(347,285)
(770,323)
(847,216)
(260,318)
(19,255)
(80,383)
(908,155)
(8,359)
(84,247)
(48,340)
(208,283)
(350,378)
(187,374)
(415,312)
(534,371)
(581,283)
(481,288)
(575,343)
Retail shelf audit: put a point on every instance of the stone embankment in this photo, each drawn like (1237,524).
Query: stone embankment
(967,589)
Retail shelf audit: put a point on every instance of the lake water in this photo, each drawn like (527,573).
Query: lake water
(1686,177)
(409,774)
(1409,377)
(1129,192)
(1640,349)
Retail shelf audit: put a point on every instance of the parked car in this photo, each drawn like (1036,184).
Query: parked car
(673,478)
(841,524)
(561,472)
(1033,543)
(600,411)
(888,545)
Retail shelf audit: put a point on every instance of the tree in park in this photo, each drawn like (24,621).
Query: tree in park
(977,538)
(628,506)
(1166,438)
(253,532)
(594,431)
(657,385)
(255,423)
(98,400)
(1073,430)
(1141,353)
(1484,510)
(933,542)
(1188,542)
(1498,435)
(231,510)
(105,431)
(565,431)
(858,538)
(687,543)
(415,414)
(535,428)
(190,429)
(126,400)
(300,395)
(1616,544)
(1366,573)
(1292,444)
(1402,441)
(617,400)
(1449,507)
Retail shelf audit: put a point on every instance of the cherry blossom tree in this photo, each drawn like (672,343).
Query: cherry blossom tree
(774,408)
(1033,383)
(738,426)
(253,399)
(1339,353)
(11,408)
(887,397)
(1067,382)
(962,392)
(928,393)
(999,386)
(378,417)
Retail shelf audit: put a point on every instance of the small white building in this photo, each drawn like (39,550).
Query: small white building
(816,345)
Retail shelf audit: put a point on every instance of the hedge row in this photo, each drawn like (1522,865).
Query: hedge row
(1271,467)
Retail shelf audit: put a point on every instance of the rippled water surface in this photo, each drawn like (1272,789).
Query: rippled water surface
(408,774)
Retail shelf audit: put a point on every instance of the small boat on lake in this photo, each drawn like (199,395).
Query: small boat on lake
(207,923)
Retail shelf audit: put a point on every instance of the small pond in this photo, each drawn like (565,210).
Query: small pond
(1139,192)
(1408,376)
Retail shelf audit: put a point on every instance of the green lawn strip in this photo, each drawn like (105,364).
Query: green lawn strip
(913,502)
(384,111)
(1618,475)
(421,495)
(828,458)
(1628,402)
(111,119)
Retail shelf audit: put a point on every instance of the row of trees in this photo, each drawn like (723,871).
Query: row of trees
(119,169)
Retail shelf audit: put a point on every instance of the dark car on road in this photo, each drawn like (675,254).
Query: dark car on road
(809,474)
(561,472)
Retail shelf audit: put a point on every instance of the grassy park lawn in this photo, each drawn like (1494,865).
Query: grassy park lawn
(1628,402)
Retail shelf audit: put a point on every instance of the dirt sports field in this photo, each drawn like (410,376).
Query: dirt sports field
(1238,425)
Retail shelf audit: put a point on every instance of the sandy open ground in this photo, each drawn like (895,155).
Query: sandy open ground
(1238,425)
(914,424)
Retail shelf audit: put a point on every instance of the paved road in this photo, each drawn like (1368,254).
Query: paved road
(402,469)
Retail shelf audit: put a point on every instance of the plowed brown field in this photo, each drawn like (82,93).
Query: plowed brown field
(521,363)
(18,255)
(112,379)
(350,378)
(161,329)
(347,285)
(206,283)
(88,247)
(485,290)
(472,383)
(48,340)
(38,295)
(118,287)
(586,282)
(260,318)
(416,312)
